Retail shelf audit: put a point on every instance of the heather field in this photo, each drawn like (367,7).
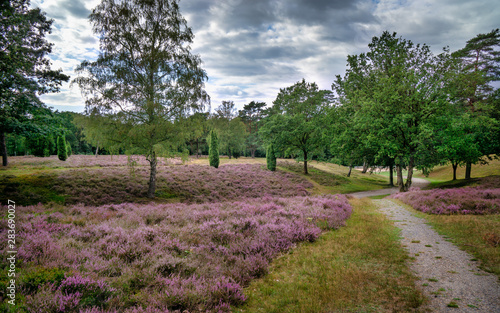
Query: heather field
(481,199)
(216,240)
(103,183)
(194,257)
(88,240)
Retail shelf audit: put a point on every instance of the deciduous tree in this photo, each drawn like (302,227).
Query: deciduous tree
(296,122)
(145,78)
(395,93)
(25,71)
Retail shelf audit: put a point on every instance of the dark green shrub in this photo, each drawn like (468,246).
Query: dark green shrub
(213,151)
(62,153)
(271,158)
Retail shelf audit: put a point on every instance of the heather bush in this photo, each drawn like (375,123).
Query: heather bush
(79,161)
(128,257)
(468,200)
(192,183)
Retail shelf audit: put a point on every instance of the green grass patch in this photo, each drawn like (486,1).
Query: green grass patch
(332,178)
(445,172)
(30,189)
(358,268)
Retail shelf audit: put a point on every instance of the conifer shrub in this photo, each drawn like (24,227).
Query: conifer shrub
(271,158)
(69,150)
(213,151)
(62,153)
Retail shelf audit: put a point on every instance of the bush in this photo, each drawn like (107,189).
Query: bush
(213,151)
(62,152)
(271,158)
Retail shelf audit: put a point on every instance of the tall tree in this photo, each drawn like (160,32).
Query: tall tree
(395,91)
(296,123)
(251,114)
(25,71)
(145,78)
(479,67)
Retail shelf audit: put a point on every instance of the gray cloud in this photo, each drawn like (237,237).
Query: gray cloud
(251,49)
(68,8)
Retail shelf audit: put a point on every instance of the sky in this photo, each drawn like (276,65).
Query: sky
(252,48)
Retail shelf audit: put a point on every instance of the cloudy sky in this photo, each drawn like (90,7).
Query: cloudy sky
(252,48)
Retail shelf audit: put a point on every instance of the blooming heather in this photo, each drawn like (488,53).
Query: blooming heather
(468,200)
(163,257)
(191,183)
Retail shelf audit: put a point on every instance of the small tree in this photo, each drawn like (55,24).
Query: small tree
(213,151)
(145,80)
(271,158)
(69,150)
(62,153)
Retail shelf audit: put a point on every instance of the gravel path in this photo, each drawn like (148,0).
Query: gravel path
(416,182)
(448,275)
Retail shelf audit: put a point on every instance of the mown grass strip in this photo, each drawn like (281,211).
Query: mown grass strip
(358,268)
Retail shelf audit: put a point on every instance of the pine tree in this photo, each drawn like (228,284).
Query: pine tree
(213,151)
(271,158)
(62,154)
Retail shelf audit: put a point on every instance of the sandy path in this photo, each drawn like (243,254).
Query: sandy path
(416,182)
(448,274)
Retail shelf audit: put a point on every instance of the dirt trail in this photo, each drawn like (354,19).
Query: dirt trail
(448,276)
(416,182)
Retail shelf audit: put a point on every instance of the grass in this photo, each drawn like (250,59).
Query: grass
(358,268)
(445,172)
(331,178)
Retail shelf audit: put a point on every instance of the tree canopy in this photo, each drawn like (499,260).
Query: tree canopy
(296,122)
(25,71)
(146,78)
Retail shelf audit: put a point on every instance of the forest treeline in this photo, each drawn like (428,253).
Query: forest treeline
(398,105)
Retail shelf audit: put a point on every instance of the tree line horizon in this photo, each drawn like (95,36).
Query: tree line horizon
(398,104)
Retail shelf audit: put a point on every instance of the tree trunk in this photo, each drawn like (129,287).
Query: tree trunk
(468,169)
(365,166)
(3,149)
(409,177)
(454,165)
(252,152)
(391,175)
(197,148)
(152,176)
(399,173)
(96,150)
(350,170)
(305,162)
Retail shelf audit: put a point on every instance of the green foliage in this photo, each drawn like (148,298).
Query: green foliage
(231,129)
(25,69)
(145,80)
(69,150)
(295,125)
(271,158)
(33,280)
(213,152)
(251,115)
(394,100)
(62,152)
